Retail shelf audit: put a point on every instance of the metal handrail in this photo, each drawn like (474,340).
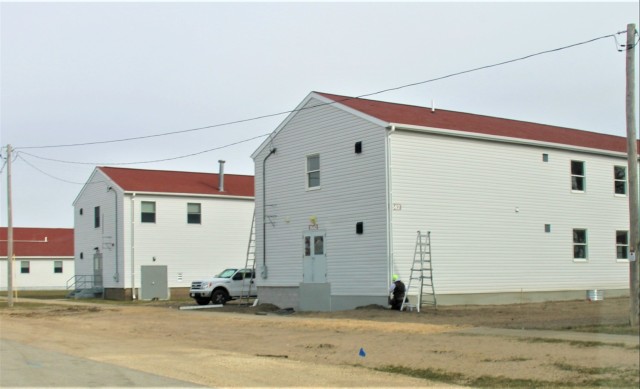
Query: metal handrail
(84,282)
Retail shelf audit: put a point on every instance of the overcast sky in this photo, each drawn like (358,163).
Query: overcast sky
(89,72)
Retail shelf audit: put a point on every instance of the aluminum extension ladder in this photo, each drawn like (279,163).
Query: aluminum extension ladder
(248,284)
(421,275)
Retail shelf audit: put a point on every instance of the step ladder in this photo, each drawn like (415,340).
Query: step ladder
(247,286)
(421,278)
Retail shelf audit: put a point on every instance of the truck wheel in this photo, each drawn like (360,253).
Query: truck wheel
(219,297)
(202,300)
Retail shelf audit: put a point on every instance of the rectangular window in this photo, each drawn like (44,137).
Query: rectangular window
(148,209)
(193,213)
(307,246)
(577,176)
(318,245)
(57,266)
(24,267)
(579,244)
(313,171)
(96,217)
(620,180)
(622,244)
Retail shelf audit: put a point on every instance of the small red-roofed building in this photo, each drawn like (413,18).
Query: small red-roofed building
(146,234)
(43,258)
(517,211)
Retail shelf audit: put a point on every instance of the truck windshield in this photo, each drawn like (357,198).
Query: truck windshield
(227,273)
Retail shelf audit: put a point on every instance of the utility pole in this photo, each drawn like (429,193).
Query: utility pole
(9,233)
(632,161)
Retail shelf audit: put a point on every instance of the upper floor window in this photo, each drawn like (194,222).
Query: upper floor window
(579,244)
(622,244)
(578,180)
(313,171)
(620,180)
(96,217)
(57,266)
(148,211)
(194,216)
(25,267)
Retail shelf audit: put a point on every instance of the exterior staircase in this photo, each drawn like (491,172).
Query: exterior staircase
(84,287)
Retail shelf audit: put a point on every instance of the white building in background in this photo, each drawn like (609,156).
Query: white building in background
(43,258)
(148,233)
(517,211)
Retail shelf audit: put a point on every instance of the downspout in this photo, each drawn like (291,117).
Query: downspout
(264,214)
(389,199)
(116,276)
(133,258)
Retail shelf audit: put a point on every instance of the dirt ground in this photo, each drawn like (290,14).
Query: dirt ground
(239,346)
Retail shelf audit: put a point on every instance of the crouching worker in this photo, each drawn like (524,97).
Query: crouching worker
(396,293)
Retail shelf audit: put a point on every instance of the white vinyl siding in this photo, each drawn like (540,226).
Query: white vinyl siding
(41,274)
(353,190)
(189,253)
(87,238)
(219,242)
(487,204)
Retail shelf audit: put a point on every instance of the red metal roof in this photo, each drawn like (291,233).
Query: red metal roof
(451,120)
(38,242)
(164,181)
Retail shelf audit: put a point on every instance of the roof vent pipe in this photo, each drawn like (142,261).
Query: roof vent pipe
(433,106)
(221,176)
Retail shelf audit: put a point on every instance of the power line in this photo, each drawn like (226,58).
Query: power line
(496,64)
(329,103)
(47,174)
(142,162)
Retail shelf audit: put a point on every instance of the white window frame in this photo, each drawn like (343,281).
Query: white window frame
(25,265)
(616,180)
(143,212)
(618,245)
(61,263)
(96,217)
(582,177)
(585,244)
(190,212)
(309,172)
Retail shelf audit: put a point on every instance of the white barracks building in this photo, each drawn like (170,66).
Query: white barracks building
(146,234)
(517,211)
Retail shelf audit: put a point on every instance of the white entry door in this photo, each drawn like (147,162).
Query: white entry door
(314,266)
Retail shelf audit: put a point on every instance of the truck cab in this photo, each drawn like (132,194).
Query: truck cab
(230,284)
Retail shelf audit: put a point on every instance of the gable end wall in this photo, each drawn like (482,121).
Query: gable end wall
(353,189)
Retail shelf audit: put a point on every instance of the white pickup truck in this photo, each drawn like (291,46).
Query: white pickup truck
(230,284)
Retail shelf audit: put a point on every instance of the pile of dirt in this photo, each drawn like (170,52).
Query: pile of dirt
(373,307)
